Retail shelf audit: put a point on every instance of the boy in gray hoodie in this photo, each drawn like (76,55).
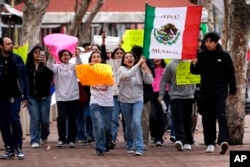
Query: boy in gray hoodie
(181,101)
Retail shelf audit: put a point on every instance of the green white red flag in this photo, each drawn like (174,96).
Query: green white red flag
(171,32)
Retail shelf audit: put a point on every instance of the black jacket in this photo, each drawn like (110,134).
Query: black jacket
(217,73)
(148,93)
(39,81)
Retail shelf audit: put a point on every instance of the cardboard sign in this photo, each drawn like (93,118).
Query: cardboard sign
(95,74)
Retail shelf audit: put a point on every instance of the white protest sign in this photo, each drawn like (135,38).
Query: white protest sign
(110,41)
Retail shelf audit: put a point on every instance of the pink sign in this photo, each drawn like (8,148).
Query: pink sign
(57,42)
(157,79)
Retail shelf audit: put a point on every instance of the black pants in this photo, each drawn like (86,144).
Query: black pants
(214,109)
(67,110)
(182,111)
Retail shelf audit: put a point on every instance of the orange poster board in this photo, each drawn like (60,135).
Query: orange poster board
(95,74)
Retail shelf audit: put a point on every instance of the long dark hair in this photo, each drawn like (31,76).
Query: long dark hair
(90,57)
(30,56)
(123,57)
(115,50)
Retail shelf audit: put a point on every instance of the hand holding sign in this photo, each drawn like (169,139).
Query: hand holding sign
(57,42)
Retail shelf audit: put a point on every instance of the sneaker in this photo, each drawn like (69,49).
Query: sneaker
(19,153)
(178,145)
(83,142)
(89,139)
(210,148)
(59,144)
(43,141)
(138,153)
(187,147)
(71,145)
(130,151)
(223,147)
(8,154)
(172,139)
(100,153)
(35,145)
(158,143)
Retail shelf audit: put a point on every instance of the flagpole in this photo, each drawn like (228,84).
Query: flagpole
(144,49)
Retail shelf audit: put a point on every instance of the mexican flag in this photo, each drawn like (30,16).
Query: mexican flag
(171,32)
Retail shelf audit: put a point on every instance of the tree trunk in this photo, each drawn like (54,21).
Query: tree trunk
(32,18)
(73,29)
(86,25)
(225,37)
(210,22)
(239,31)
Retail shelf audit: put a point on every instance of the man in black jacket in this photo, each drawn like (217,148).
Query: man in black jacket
(14,90)
(216,69)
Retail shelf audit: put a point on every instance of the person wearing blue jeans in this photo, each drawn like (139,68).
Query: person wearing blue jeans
(80,122)
(40,80)
(133,132)
(101,119)
(14,88)
(115,124)
(101,108)
(132,75)
(39,111)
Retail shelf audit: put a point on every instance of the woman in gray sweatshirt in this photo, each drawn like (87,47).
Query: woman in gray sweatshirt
(132,74)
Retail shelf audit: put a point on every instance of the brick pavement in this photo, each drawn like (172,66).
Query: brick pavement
(166,155)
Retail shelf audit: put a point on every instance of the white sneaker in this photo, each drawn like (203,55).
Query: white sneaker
(130,151)
(71,145)
(210,148)
(178,145)
(223,147)
(59,144)
(43,141)
(35,145)
(187,147)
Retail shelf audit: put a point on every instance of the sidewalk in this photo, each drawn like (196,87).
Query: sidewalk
(166,155)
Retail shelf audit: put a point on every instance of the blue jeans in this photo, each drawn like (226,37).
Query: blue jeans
(39,111)
(101,120)
(115,118)
(10,125)
(81,130)
(132,113)
(88,122)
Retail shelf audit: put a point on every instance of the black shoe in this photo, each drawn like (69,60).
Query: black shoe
(100,153)
(172,139)
(19,153)
(8,154)
(89,139)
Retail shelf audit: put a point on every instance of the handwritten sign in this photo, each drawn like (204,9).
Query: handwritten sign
(22,51)
(183,75)
(111,43)
(57,42)
(132,38)
(95,74)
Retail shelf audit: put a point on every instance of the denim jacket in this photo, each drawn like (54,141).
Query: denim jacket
(22,78)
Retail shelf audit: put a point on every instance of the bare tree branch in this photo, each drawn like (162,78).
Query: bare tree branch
(78,17)
(224,39)
(87,23)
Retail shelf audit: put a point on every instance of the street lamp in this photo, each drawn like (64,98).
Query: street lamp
(247,2)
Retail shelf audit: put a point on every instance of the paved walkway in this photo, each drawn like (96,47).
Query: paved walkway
(85,156)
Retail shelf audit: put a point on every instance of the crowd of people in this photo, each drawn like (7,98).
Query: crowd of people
(145,98)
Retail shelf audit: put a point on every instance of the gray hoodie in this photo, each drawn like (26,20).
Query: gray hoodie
(175,91)
(131,84)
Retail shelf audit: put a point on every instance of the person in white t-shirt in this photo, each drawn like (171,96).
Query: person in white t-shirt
(101,108)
